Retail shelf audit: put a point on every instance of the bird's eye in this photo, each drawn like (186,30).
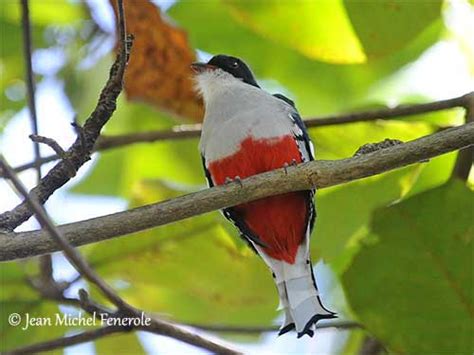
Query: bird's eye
(234,65)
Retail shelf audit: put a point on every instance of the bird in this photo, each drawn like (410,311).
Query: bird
(248,131)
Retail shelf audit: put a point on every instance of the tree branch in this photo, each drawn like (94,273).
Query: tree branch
(45,262)
(33,204)
(82,148)
(465,157)
(27,46)
(341,324)
(388,113)
(61,343)
(57,148)
(71,253)
(194,131)
(318,174)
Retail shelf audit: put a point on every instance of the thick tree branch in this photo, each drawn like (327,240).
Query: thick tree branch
(82,148)
(194,131)
(318,174)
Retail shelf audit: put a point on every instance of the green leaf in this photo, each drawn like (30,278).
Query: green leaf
(192,275)
(335,142)
(12,85)
(434,173)
(83,86)
(13,281)
(386,26)
(303,25)
(316,87)
(412,286)
(337,242)
(118,170)
(192,271)
(354,342)
(106,175)
(343,219)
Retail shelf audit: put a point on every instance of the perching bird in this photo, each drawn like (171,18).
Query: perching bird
(247,131)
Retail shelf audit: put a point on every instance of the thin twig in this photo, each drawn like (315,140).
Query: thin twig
(305,176)
(388,113)
(57,148)
(465,158)
(82,148)
(155,326)
(79,132)
(45,262)
(27,49)
(27,166)
(69,169)
(70,252)
(194,131)
(50,143)
(160,327)
(61,343)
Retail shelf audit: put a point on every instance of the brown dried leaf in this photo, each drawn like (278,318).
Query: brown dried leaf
(158,72)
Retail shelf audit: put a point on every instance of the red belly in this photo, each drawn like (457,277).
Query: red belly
(279,221)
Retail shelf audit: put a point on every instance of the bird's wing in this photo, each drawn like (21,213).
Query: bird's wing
(307,151)
(300,132)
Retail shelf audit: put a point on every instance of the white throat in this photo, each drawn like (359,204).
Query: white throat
(235,111)
(212,83)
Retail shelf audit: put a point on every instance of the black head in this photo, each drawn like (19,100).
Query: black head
(234,66)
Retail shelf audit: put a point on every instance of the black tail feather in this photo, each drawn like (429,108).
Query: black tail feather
(307,329)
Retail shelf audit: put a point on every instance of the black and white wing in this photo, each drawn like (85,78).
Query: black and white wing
(306,148)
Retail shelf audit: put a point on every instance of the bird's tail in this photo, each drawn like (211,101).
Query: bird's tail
(300,299)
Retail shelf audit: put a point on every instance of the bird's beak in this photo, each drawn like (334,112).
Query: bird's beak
(202,67)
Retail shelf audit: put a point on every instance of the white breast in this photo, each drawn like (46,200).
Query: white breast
(236,111)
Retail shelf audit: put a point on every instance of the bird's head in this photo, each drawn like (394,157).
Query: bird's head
(219,71)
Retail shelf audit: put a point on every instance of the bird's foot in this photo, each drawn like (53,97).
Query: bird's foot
(286,165)
(236,179)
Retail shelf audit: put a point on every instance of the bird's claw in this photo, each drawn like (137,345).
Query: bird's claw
(236,179)
(286,165)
